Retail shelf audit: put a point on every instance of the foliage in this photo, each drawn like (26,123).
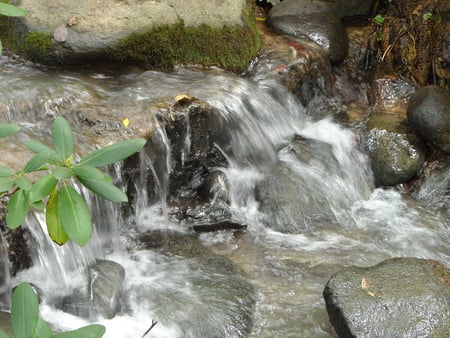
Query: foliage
(67,215)
(26,323)
(10,10)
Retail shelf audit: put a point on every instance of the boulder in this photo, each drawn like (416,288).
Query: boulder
(395,152)
(429,115)
(305,189)
(314,20)
(158,33)
(399,297)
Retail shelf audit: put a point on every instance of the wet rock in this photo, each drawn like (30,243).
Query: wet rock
(395,152)
(5,320)
(295,197)
(399,297)
(314,20)
(214,293)
(78,304)
(106,282)
(195,132)
(102,297)
(429,115)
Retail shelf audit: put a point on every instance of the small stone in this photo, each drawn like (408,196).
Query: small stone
(60,33)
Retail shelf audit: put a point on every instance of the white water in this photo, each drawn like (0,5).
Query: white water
(289,270)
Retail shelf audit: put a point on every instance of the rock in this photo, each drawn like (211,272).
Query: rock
(195,133)
(399,297)
(60,33)
(134,31)
(349,8)
(298,195)
(106,287)
(312,19)
(395,152)
(429,115)
(5,320)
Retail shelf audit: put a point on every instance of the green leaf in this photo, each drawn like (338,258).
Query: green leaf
(24,311)
(37,161)
(113,153)
(42,330)
(6,183)
(37,147)
(62,137)
(379,19)
(3,334)
(104,188)
(74,215)
(62,173)
(23,183)
(427,16)
(42,188)
(54,226)
(90,331)
(5,171)
(17,209)
(8,129)
(38,205)
(88,172)
(10,10)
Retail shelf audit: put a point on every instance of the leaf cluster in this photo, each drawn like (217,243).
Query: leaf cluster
(67,215)
(26,323)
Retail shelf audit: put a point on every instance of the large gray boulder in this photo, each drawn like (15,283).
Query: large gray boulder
(396,153)
(429,115)
(400,297)
(315,20)
(77,32)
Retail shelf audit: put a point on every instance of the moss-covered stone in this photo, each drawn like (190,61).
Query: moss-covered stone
(230,48)
(37,45)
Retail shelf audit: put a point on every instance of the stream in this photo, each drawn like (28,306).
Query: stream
(305,219)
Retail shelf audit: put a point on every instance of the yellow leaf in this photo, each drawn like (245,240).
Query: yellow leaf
(365,283)
(182,98)
(370,293)
(126,122)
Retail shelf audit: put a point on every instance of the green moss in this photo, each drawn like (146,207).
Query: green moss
(230,48)
(36,45)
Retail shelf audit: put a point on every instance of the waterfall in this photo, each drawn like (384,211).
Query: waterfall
(301,185)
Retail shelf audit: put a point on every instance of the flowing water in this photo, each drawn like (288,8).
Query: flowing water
(306,218)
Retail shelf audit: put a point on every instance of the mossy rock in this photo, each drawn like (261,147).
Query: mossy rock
(160,37)
(163,47)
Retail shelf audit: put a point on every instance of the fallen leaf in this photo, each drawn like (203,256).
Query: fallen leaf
(183,98)
(365,283)
(126,122)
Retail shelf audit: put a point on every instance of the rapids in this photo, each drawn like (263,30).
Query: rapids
(289,270)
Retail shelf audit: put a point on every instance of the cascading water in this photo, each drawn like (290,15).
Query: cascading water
(303,188)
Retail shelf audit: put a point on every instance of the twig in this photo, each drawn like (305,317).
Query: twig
(154,322)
